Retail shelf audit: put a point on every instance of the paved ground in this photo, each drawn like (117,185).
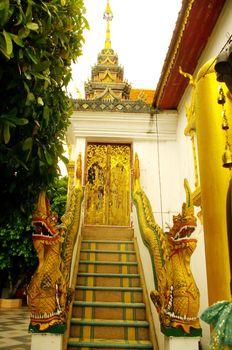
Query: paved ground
(14,329)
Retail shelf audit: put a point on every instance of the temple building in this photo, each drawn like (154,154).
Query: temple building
(153,251)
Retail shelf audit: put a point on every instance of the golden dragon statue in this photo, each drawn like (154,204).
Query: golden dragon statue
(176,296)
(49,294)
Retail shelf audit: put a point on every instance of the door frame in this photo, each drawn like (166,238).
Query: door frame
(110,142)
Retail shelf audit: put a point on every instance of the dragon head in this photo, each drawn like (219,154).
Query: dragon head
(44,220)
(185,223)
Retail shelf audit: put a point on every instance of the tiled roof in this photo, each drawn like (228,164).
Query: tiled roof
(142,94)
(194,25)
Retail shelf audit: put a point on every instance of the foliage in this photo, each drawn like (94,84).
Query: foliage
(18,257)
(38,42)
(57,193)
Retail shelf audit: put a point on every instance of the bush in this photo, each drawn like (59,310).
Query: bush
(38,42)
(18,258)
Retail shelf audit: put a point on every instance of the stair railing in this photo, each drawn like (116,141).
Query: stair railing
(49,292)
(176,296)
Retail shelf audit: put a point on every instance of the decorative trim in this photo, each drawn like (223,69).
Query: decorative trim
(57,329)
(129,126)
(178,332)
(174,52)
(111,106)
(197,197)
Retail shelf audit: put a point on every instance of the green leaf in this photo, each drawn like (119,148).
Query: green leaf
(6,132)
(3,45)
(41,76)
(30,98)
(46,114)
(39,152)
(4,11)
(43,67)
(27,75)
(17,40)
(20,54)
(3,4)
(26,87)
(29,11)
(9,45)
(64,159)
(23,33)
(27,144)
(48,157)
(20,121)
(13,121)
(20,19)
(40,101)
(30,52)
(32,26)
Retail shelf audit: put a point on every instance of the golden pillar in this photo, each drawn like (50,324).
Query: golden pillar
(214,180)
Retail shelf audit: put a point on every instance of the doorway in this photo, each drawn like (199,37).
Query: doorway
(108,184)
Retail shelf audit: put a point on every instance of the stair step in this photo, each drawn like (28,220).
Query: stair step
(121,267)
(109,310)
(109,329)
(108,245)
(109,294)
(108,255)
(107,233)
(108,279)
(111,251)
(108,344)
(106,241)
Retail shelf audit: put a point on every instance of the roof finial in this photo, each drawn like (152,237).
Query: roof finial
(108,16)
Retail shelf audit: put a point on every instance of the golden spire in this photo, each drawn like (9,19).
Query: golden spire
(108,16)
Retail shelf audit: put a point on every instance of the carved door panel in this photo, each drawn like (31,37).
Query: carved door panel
(107,178)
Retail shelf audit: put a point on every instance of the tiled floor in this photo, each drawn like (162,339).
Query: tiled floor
(14,329)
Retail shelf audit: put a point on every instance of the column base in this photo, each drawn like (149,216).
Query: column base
(46,341)
(181,343)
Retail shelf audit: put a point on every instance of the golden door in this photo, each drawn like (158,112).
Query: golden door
(108,183)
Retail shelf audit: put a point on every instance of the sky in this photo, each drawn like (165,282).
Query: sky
(141,31)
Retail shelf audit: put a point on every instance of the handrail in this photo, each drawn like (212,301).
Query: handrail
(176,296)
(49,294)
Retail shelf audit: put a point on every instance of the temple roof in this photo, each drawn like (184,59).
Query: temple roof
(107,90)
(107,76)
(194,25)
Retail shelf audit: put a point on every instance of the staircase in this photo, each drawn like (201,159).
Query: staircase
(109,310)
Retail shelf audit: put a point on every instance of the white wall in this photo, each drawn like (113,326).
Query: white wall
(165,156)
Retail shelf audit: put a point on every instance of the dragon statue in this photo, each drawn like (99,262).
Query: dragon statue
(49,294)
(176,296)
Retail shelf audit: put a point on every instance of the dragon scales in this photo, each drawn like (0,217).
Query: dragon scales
(49,295)
(176,296)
